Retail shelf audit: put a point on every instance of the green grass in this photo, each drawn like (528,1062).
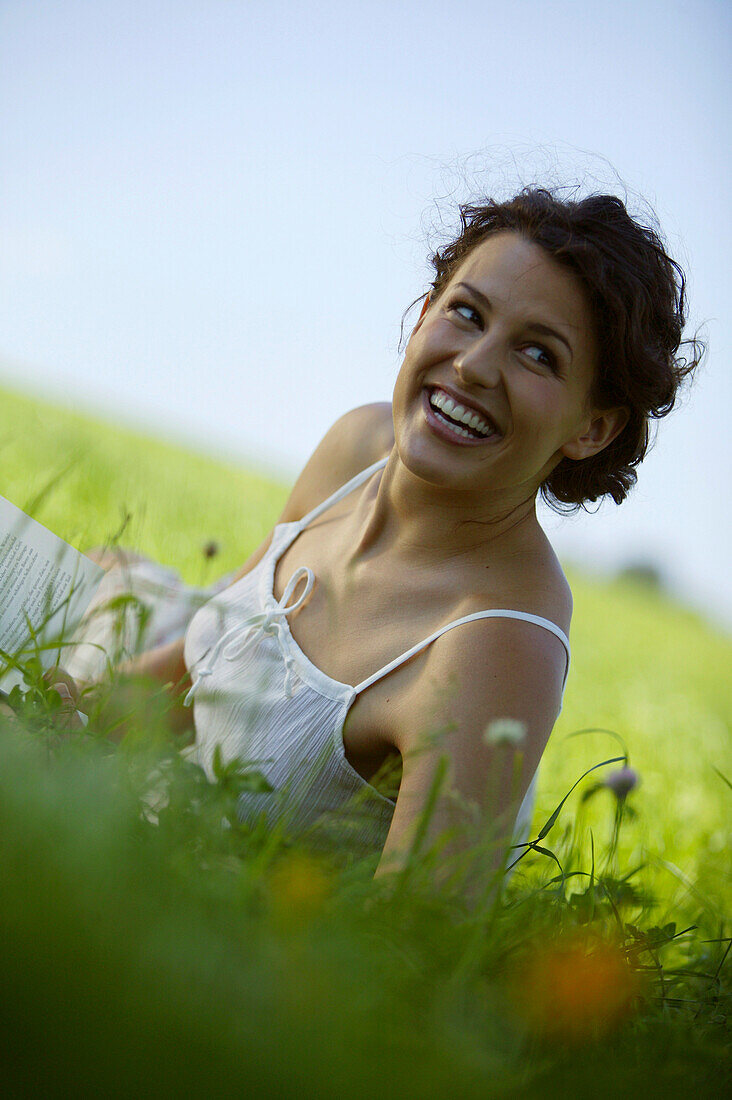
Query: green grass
(659,676)
(170,956)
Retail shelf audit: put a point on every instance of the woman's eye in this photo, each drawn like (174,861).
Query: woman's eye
(546,360)
(466,311)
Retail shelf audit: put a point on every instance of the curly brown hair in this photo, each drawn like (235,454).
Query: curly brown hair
(638,298)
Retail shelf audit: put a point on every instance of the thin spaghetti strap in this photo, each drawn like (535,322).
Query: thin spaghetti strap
(498,613)
(342,492)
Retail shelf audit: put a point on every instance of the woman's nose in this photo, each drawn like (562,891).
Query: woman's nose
(480,362)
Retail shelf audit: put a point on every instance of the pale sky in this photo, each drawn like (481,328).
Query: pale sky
(213,213)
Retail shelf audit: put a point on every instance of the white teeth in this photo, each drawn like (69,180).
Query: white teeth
(454,427)
(451,408)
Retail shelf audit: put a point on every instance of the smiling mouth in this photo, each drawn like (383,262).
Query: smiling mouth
(457,420)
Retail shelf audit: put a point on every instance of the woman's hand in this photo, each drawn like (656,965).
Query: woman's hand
(136,699)
(7,712)
(118,703)
(69,715)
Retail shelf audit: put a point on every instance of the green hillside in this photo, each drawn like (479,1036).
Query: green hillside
(93,474)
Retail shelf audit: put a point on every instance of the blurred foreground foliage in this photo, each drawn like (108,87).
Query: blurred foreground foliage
(153,944)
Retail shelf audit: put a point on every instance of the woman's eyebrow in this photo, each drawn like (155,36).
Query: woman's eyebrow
(535,326)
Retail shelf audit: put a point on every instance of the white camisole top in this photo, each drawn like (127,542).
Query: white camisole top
(260,698)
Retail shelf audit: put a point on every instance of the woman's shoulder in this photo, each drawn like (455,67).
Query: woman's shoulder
(354,442)
(509,647)
(531,582)
(364,435)
(496,666)
(548,591)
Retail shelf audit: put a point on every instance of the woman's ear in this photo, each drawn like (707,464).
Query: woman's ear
(425,306)
(604,427)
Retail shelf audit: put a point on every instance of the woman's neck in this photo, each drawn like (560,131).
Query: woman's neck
(401,515)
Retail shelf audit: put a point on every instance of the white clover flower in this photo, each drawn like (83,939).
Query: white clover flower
(505,731)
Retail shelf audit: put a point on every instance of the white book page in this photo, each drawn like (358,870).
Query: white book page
(45,578)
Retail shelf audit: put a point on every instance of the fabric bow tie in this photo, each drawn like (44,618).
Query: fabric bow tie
(233,642)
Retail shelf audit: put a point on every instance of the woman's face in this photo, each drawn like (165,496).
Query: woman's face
(510,337)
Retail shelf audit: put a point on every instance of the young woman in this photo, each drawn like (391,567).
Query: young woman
(408,600)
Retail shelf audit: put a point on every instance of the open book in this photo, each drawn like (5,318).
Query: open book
(45,588)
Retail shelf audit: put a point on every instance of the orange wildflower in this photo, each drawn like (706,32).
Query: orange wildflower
(298,888)
(576,990)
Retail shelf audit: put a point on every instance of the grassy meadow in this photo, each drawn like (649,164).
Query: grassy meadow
(160,950)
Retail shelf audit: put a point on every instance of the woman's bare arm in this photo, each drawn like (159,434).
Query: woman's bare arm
(484,671)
